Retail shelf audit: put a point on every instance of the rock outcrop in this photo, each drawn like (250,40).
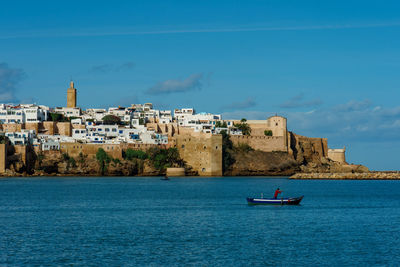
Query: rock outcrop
(59,165)
(309,155)
(258,163)
(349,176)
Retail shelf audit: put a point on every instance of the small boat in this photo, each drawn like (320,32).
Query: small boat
(274,201)
(165,178)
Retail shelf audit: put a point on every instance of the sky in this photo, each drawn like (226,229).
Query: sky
(330,67)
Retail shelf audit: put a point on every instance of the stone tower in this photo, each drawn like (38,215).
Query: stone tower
(71,96)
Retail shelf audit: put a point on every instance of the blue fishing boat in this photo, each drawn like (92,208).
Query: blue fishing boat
(274,201)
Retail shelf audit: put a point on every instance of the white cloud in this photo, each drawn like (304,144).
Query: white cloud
(344,123)
(9,79)
(193,82)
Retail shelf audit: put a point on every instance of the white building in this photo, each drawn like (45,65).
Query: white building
(68,112)
(165,116)
(50,145)
(23,113)
(103,130)
(79,134)
(21,138)
(95,114)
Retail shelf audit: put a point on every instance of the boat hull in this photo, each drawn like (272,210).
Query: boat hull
(273,201)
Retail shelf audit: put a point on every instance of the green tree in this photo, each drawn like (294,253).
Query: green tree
(227,146)
(244,127)
(111,119)
(40,158)
(57,117)
(103,159)
(268,132)
(220,124)
(131,154)
(164,158)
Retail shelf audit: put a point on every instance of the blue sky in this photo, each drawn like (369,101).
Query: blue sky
(331,67)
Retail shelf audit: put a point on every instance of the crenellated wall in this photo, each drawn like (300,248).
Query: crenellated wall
(74,149)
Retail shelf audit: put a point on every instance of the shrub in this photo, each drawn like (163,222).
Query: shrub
(82,158)
(164,158)
(71,162)
(116,161)
(227,158)
(268,132)
(220,124)
(57,117)
(243,126)
(103,159)
(40,158)
(243,147)
(65,156)
(111,119)
(131,154)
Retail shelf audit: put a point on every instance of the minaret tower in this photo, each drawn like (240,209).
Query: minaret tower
(71,96)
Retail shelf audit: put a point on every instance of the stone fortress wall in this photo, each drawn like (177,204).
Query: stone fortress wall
(337,155)
(263,143)
(47,127)
(259,141)
(203,152)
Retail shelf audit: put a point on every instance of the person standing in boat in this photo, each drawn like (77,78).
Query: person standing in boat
(277,192)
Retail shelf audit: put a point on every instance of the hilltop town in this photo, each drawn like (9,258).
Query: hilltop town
(142,140)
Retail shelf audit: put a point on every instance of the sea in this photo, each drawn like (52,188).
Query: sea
(135,221)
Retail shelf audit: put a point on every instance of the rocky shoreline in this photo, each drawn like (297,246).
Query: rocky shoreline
(395,175)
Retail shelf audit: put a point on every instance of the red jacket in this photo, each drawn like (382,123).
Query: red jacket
(277,192)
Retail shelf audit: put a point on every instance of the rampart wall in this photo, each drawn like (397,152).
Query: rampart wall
(47,127)
(203,152)
(337,155)
(263,143)
(74,149)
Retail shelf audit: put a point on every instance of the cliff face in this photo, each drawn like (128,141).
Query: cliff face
(259,163)
(312,155)
(57,165)
(305,155)
(308,155)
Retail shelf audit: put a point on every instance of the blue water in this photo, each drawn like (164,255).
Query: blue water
(197,222)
